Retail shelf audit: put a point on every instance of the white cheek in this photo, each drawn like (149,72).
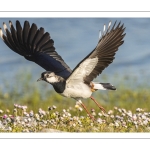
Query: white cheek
(52,79)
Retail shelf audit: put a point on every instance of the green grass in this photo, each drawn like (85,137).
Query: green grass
(40,95)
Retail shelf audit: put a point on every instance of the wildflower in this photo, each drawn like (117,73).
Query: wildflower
(7,110)
(25,120)
(73,124)
(50,108)
(24,108)
(26,114)
(92,110)
(54,107)
(4,116)
(123,123)
(37,115)
(81,117)
(77,106)
(19,106)
(80,109)
(143,117)
(79,122)
(145,113)
(93,113)
(64,115)
(145,122)
(68,114)
(42,112)
(91,124)
(31,114)
(135,122)
(115,108)
(29,119)
(110,112)
(105,115)
(129,114)
(99,120)
(134,117)
(118,117)
(57,113)
(25,130)
(23,123)
(75,118)
(119,110)
(64,110)
(16,105)
(71,119)
(138,109)
(100,114)
(116,124)
(123,110)
(8,119)
(123,114)
(112,116)
(1,111)
(45,122)
(9,129)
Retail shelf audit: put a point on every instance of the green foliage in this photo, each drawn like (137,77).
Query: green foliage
(40,95)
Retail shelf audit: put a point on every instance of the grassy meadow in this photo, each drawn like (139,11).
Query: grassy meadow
(28,106)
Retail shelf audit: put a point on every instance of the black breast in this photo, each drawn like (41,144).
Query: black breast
(59,86)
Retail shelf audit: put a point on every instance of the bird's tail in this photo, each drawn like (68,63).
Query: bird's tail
(103,86)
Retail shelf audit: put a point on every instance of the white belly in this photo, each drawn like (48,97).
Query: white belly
(80,90)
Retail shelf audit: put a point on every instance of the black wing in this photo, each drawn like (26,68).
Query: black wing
(36,46)
(93,64)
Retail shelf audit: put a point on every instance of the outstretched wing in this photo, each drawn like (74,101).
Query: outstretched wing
(36,46)
(93,64)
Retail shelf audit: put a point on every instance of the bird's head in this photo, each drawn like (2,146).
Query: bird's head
(49,77)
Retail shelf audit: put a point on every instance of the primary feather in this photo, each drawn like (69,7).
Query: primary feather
(35,45)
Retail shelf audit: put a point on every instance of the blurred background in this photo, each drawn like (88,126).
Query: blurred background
(74,38)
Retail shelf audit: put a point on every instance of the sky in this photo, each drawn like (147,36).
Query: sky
(74,38)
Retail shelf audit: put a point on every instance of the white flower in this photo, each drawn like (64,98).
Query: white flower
(29,119)
(112,116)
(100,114)
(139,109)
(115,108)
(54,107)
(64,110)
(123,114)
(73,124)
(119,110)
(110,112)
(1,111)
(145,122)
(123,110)
(99,120)
(135,122)
(123,123)
(134,117)
(143,117)
(80,109)
(116,124)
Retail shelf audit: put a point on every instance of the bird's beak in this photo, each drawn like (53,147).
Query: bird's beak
(39,79)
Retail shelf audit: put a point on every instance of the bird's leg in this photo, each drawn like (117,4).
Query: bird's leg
(86,110)
(98,104)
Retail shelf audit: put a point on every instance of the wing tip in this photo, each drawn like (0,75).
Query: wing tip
(1,33)
(4,26)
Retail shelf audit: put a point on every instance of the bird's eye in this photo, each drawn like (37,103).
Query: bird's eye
(47,75)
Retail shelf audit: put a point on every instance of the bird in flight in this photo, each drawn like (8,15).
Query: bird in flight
(36,45)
